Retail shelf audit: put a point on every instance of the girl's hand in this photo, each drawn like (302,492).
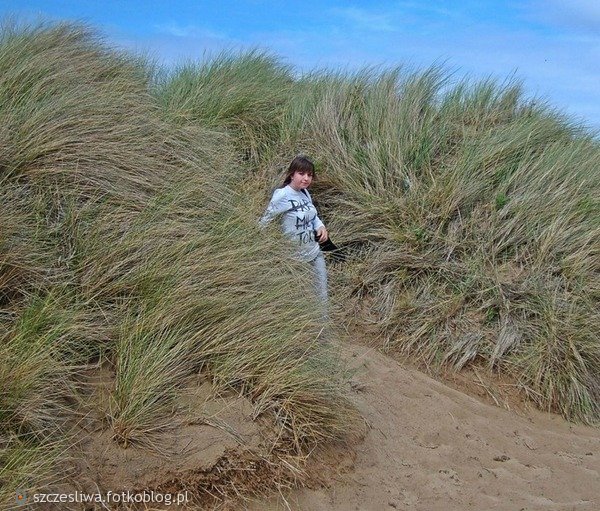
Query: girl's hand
(322,234)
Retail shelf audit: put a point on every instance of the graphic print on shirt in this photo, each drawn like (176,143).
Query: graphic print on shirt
(304,221)
(299,219)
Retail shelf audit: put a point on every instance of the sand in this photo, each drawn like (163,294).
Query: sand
(426,446)
(430,447)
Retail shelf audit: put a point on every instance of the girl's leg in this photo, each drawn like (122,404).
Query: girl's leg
(320,281)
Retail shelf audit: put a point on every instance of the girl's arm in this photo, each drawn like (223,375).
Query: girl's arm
(278,205)
(317,223)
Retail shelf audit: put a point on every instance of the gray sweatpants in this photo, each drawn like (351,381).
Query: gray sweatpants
(320,283)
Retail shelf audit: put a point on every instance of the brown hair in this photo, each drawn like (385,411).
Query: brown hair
(299,164)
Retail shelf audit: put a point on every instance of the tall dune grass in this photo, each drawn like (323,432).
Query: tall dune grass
(474,206)
(244,94)
(129,234)
(472,209)
(476,210)
(122,239)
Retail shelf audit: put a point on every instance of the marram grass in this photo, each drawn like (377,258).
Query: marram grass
(475,211)
(244,94)
(123,240)
(129,233)
(469,203)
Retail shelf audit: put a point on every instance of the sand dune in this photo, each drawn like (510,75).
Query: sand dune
(429,447)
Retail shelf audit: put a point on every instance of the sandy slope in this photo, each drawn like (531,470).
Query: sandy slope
(430,447)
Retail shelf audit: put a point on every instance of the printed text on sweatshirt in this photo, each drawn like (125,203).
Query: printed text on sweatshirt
(299,219)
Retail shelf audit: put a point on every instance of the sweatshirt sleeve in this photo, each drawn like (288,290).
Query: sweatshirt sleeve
(277,206)
(317,222)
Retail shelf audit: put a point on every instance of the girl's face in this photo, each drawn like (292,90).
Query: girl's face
(301,180)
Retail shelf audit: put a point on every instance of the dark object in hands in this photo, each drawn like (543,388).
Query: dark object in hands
(326,246)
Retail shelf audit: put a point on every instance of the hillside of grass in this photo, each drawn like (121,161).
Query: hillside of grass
(468,212)
(125,247)
(477,216)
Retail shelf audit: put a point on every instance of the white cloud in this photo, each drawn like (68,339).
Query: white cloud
(574,14)
(188,31)
(366,20)
(561,65)
(588,9)
(430,8)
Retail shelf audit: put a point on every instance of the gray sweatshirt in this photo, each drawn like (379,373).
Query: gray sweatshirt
(299,219)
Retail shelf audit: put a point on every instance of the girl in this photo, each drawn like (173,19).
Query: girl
(300,221)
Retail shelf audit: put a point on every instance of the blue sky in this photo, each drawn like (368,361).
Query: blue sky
(552,45)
